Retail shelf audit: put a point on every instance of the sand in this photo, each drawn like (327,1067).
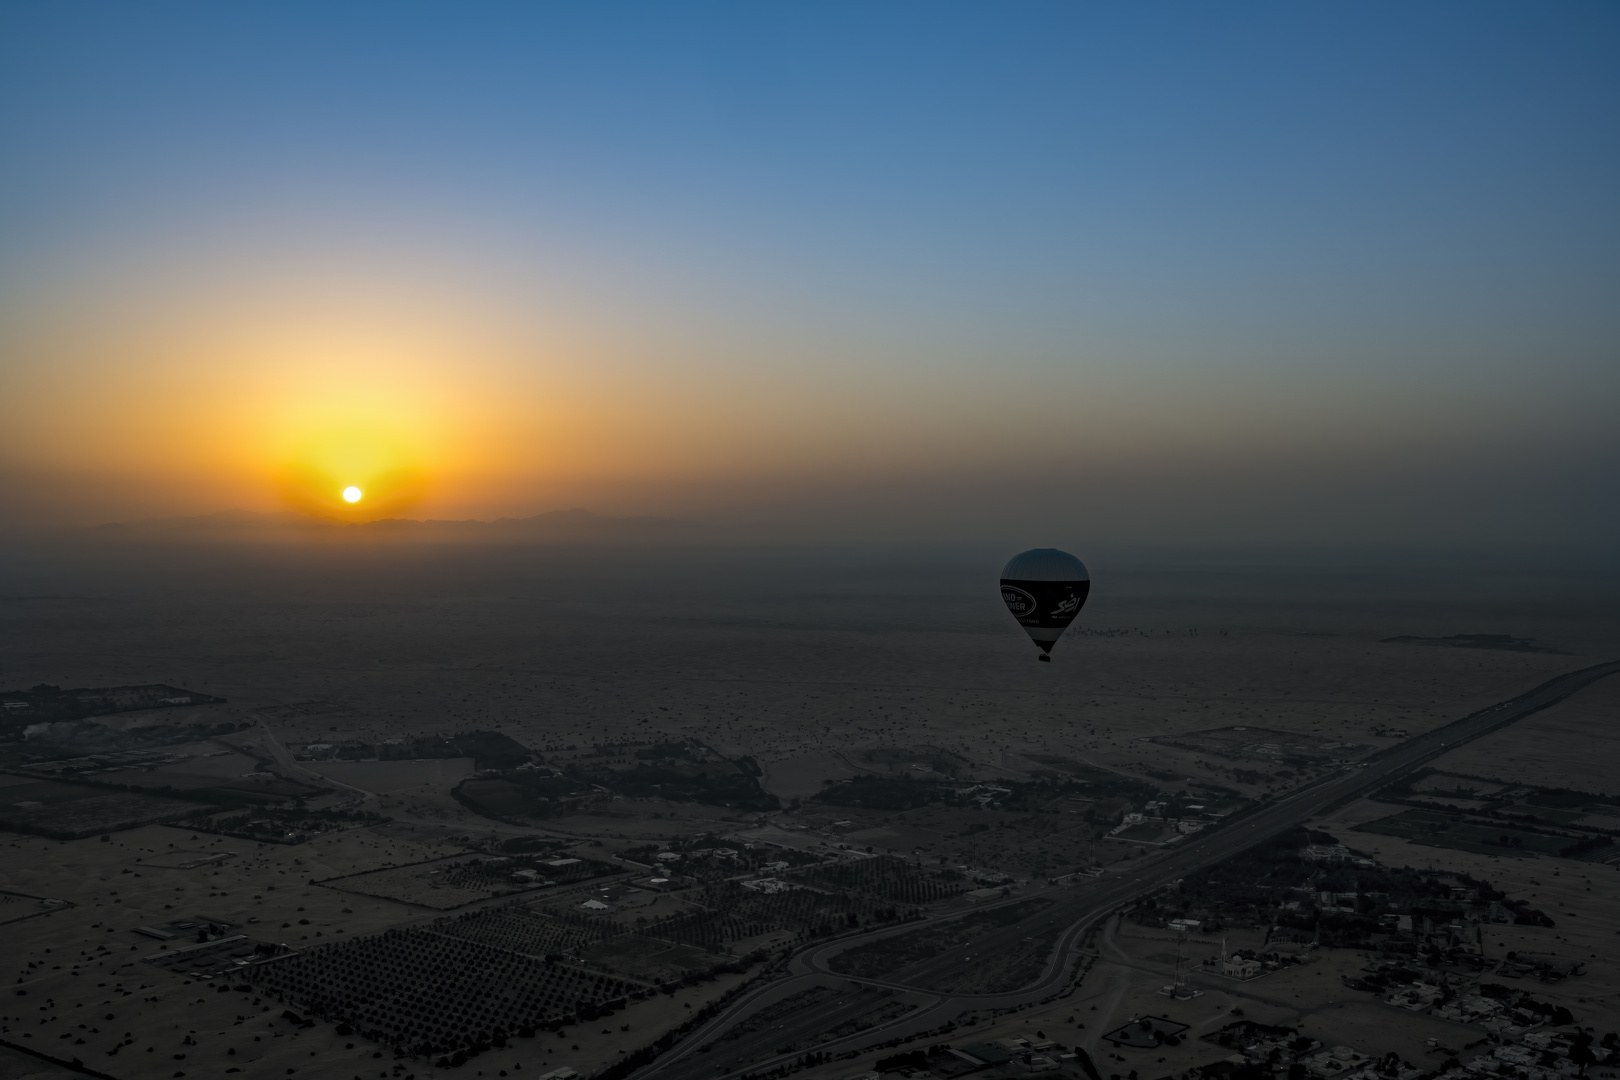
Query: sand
(806,661)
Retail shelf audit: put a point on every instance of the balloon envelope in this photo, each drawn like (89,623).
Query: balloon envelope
(1045,589)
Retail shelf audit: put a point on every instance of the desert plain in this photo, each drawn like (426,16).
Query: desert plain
(807,672)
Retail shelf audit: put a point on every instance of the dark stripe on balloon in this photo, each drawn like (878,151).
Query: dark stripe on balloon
(1044,604)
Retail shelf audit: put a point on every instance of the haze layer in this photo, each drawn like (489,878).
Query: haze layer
(1238,273)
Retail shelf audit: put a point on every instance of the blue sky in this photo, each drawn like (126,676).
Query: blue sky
(1027,232)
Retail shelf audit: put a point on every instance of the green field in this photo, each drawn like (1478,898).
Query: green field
(69,811)
(1436,829)
(1547,814)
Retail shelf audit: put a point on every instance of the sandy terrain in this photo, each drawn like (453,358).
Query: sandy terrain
(818,666)
(796,668)
(117,885)
(395,777)
(1574,744)
(1583,898)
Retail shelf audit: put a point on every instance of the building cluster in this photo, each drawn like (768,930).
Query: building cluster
(1161,821)
(1032,1052)
(1542,1055)
(1244,964)
(1307,889)
(711,859)
(1501,1010)
(1266,1050)
(1029,1052)
(1536,1054)
(1333,853)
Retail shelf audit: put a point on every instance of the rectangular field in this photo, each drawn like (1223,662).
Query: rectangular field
(1266,744)
(15,907)
(448,883)
(421,991)
(71,811)
(1435,829)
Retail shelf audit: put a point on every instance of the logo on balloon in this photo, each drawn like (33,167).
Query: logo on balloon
(1019,602)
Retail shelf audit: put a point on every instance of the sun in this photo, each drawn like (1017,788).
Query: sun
(351,494)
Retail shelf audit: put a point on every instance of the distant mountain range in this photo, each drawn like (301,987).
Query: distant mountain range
(557,526)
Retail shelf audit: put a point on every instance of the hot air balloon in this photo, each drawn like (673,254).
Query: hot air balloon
(1045,589)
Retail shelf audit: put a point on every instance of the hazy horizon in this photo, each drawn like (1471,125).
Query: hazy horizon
(1254,274)
(504,506)
(577,527)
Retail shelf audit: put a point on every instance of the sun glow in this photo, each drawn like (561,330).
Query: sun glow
(356,418)
(319,376)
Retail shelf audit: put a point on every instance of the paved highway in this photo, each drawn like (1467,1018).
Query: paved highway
(1075,909)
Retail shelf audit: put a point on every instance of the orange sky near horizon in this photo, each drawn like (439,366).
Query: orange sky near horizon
(1044,273)
(491,393)
(213,386)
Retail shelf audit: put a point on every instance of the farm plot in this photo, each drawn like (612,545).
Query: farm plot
(1266,744)
(15,907)
(726,912)
(887,878)
(1546,814)
(565,934)
(426,885)
(650,959)
(520,929)
(426,993)
(72,811)
(1433,828)
(443,884)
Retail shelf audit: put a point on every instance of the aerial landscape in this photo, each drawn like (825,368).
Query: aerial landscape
(728,543)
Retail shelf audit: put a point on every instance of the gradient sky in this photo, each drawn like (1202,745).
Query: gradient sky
(1191,272)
